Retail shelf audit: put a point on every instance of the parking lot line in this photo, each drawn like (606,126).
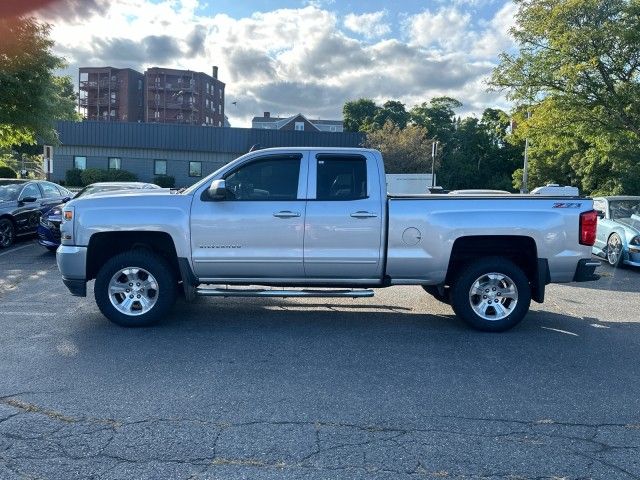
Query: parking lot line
(16,249)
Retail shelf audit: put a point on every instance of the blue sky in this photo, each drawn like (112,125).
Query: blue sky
(291,56)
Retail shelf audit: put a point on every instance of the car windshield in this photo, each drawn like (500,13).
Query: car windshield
(624,208)
(104,188)
(10,191)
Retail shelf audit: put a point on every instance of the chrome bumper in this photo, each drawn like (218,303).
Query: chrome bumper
(72,263)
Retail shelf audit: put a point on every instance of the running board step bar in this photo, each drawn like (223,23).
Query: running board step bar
(238,292)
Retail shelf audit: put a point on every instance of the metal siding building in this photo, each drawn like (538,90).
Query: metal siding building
(138,145)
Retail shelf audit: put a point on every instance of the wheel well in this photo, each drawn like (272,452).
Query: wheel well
(8,217)
(103,246)
(520,250)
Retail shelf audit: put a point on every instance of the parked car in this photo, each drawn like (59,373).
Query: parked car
(321,217)
(23,202)
(479,192)
(49,228)
(618,233)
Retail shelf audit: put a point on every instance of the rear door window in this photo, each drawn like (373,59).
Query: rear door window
(341,178)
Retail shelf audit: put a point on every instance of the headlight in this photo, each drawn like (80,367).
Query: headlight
(45,223)
(635,240)
(66,227)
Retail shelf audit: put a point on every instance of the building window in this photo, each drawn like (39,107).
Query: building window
(115,163)
(157,114)
(159,167)
(333,128)
(80,163)
(299,126)
(220,109)
(195,169)
(139,84)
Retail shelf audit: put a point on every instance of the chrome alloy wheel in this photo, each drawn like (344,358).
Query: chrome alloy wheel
(614,249)
(493,296)
(133,291)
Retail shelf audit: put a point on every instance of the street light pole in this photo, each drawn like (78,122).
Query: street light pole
(525,170)
(434,152)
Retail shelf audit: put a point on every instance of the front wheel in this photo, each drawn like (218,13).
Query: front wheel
(135,289)
(491,294)
(614,250)
(7,232)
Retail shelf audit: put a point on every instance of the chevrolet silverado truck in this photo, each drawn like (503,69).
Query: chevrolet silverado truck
(317,222)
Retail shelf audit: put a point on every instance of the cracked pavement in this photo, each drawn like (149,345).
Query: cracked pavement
(392,387)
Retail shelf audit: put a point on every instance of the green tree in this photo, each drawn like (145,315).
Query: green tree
(359,115)
(405,150)
(578,68)
(392,111)
(437,116)
(31,96)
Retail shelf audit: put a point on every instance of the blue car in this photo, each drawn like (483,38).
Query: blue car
(49,228)
(618,233)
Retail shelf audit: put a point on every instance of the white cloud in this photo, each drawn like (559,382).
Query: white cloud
(447,27)
(369,25)
(294,60)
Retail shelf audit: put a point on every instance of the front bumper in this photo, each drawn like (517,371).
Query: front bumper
(585,271)
(48,237)
(633,257)
(72,263)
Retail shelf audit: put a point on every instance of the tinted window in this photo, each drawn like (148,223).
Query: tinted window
(80,163)
(31,190)
(195,169)
(273,179)
(160,167)
(341,178)
(50,190)
(115,163)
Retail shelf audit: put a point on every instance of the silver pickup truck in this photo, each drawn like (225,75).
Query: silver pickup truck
(319,222)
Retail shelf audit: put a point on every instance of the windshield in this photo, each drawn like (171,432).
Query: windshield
(624,208)
(10,191)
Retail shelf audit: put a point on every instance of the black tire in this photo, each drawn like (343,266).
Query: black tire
(7,233)
(461,300)
(141,259)
(614,239)
(435,293)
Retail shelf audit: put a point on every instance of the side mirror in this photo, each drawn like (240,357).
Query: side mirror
(218,190)
(28,199)
(600,214)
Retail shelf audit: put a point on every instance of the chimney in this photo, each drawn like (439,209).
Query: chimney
(267,114)
(214,72)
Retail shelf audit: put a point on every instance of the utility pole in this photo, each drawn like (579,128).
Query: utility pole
(525,171)
(434,152)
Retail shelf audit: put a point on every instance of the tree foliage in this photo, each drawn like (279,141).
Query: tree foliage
(405,150)
(31,96)
(578,70)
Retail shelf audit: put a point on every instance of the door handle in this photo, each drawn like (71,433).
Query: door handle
(286,214)
(363,214)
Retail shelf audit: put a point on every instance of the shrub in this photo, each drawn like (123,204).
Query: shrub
(7,172)
(73,178)
(164,181)
(93,175)
(121,176)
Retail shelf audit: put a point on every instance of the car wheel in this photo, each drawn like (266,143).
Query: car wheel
(135,289)
(434,291)
(614,250)
(491,294)
(7,233)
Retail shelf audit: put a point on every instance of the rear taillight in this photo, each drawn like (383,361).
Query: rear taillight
(588,225)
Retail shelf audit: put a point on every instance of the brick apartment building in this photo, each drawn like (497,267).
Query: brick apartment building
(160,95)
(111,94)
(184,96)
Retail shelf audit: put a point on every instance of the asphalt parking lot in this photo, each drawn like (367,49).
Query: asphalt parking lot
(392,387)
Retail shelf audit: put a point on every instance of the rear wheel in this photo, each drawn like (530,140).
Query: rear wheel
(135,289)
(7,233)
(491,294)
(614,250)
